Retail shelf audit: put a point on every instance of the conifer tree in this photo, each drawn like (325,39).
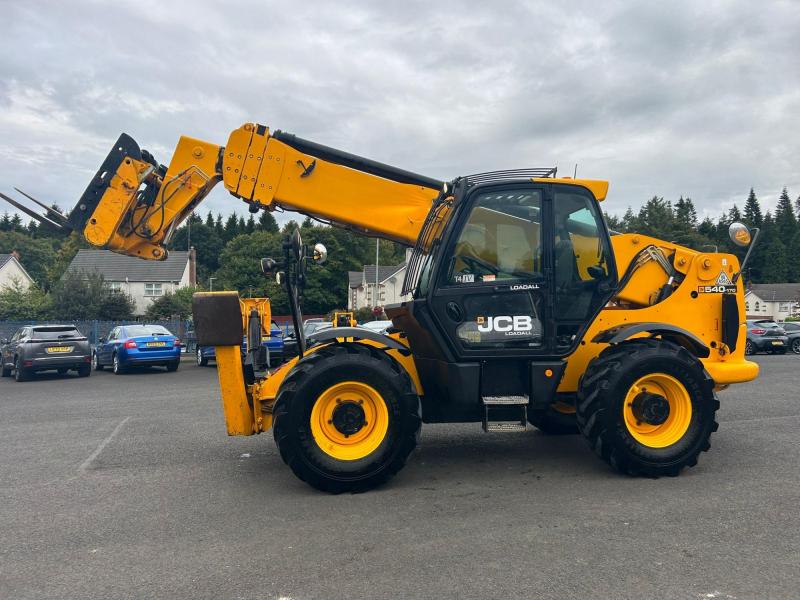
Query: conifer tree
(231,227)
(267,222)
(752,210)
(785,220)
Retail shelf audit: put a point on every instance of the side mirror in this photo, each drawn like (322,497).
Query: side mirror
(101,340)
(4,341)
(320,254)
(740,234)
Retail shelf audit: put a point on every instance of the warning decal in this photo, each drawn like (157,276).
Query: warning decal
(723,279)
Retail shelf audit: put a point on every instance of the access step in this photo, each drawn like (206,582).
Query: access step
(505,400)
(499,410)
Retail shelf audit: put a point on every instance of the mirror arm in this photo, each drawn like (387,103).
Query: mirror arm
(755,231)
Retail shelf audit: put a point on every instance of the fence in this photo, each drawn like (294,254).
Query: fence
(94,330)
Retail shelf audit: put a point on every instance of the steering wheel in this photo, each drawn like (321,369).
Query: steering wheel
(476,264)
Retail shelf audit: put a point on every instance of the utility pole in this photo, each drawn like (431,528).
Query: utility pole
(377,259)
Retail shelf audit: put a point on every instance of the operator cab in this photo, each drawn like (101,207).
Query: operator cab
(517,269)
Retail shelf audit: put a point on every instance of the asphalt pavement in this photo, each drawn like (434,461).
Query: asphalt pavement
(127,487)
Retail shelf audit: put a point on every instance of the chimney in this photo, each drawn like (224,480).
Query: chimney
(192,266)
(15,254)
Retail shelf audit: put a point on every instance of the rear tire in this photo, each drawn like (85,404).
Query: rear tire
(647,448)
(84,370)
(5,371)
(173,366)
(749,348)
(378,450)
(118,367)
(202,361)
(20,373)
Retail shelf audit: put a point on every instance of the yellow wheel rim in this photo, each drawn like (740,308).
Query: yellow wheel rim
(675,423)
(349,420)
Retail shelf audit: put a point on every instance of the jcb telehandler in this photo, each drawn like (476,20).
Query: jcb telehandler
(525,308)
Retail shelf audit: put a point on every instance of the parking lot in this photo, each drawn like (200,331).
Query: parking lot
(127,486)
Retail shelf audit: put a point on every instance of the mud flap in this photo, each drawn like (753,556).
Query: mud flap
(218,323)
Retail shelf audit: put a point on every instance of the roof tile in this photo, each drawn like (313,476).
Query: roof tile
(118,267)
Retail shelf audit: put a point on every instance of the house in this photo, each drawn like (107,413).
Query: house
(361,290)
(142,280)
(775,301)
(11,271)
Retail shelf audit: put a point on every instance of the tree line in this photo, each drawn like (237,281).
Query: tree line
(776,258)
(229,249)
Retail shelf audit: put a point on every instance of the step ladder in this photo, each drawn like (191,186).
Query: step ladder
(507,406)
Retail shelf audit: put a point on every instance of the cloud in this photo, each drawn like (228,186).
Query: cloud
(676,98)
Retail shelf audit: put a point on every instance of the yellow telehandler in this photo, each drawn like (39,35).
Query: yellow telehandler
(524,308)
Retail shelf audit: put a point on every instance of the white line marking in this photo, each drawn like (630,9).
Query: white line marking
(88,462)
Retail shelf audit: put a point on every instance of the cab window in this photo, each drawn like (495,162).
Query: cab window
(581,261)
(500,240)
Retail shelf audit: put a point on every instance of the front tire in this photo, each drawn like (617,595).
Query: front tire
(346,418)
(5,371)
(796,345)
(173,366)
(749,348)
(96,364)
(557,419)
(647,407)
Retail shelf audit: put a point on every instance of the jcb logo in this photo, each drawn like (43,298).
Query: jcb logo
(505,324)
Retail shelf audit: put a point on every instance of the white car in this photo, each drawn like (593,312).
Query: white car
(377,326)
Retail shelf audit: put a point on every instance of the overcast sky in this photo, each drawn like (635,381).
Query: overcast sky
(698,98)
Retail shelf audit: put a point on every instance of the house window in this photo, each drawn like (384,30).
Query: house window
(151,290)
(746,306)
(115,286)
(784,307)
(757,304)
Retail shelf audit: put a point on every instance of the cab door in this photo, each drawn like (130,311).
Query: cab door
(107,346)
(493,293)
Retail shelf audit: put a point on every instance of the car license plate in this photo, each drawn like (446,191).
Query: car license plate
(777,343)
(58,349)
(156,344)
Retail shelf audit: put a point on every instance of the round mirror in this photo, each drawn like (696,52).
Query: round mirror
(320,253)
(740,234)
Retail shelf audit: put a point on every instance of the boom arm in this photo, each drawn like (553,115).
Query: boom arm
(133,205)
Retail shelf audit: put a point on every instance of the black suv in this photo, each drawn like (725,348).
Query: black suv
(792,329)
(765,336)
(45,348)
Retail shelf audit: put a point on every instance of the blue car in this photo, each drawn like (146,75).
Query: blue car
(130,345)
(274,344)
